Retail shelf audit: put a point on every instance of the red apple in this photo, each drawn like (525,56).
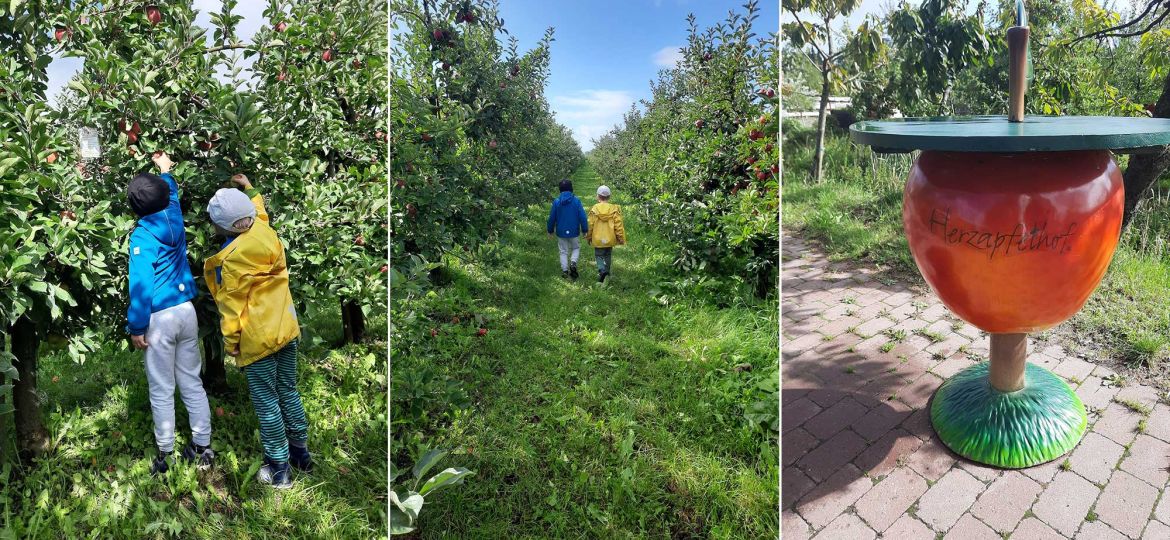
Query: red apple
(503,85)
(755,134)
(481,332)
(282,75)
(281,26)
(61,33)
(760,175)
(707,57)
(768,147)
(492,144)
(379,135)
(153,14)
(51,158)
(360,240)
(438,34)
(699,123)
(132,138)
(455,320)
(426,137)
(434,332)
(204,145)
(751,160)
(385,268)
(327,55)
(776,169)
(1013,243)
(219,411)
(401,184)
(411,210)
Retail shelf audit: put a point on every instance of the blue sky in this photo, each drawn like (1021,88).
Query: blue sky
(607,51)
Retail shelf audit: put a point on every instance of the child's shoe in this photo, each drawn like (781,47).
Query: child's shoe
(275,474)
(299,457)
(565,274)
(573,271)
(202,456)
(601,277)
(160,465)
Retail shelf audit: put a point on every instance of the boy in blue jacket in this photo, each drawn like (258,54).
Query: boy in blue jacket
(567,218)
(161,318)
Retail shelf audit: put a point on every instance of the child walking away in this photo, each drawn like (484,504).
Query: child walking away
(161,319)
(249,280)
(606,230)
(567,218)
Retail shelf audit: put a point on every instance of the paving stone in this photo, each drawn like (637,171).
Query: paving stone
(1074,368)
(828,500)
(794,484)
(908,528)
(1119,423)
(840,326)
(1034,529)
(1126,504)
(1095,457)
(802,344)
(1065,502)
(1094,393)
(1142,394)
(918,424)
(884,455)
(826,397)
(932,460)
(796,443)
(984,473)
(1158,423)
(1162,511)
(917,394)
(1003,504)
(969,528)
(1148,460)
(1095,530)
(948,499)
(826,459)
(792,527)
(835,418)
(890,498)
(881,419)
(873,327)
(1043,473)
(951,365)
(846,527)
(1156,529)
(797,412)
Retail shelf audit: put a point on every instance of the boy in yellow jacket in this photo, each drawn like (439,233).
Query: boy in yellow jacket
(606,230)
(249,280)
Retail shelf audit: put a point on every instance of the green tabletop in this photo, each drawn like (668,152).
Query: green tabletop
(996,134)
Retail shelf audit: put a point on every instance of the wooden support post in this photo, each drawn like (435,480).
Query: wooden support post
(1017,38)
(1009,353)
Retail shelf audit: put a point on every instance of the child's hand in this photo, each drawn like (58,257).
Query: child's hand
(162,161)
(242,181)
(139,342)
(234,352)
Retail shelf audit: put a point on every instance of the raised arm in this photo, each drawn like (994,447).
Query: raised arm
(164,164)
(253,193)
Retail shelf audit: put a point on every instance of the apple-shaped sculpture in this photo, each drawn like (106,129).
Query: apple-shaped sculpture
(1013,222)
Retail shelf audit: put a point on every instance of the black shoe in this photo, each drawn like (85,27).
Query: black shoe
(275,474)
(601,277)
(202,456)
(565,274)
(300,458)
(160,465)
(573,271)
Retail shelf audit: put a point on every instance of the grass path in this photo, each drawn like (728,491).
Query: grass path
(600,411)
(96,482)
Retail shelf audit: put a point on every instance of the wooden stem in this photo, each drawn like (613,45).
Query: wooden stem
(1017,37)
(1009,353)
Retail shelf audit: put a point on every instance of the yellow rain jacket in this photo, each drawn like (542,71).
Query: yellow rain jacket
(606,228)
(249,280)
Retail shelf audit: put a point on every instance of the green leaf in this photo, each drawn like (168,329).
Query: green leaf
(425,463)
(448,477)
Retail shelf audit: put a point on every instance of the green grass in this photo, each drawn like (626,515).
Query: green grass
(599,411)
(95,482)
(856,213)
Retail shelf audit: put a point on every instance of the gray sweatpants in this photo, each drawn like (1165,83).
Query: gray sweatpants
(566,245)
(172,357)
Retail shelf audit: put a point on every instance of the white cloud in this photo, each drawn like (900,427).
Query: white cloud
(62,69)
(668,57)
(590,113)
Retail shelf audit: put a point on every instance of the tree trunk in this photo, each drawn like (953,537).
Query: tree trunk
(1144,169)
(819,157)
(32,438)
(353,321)
(214,374)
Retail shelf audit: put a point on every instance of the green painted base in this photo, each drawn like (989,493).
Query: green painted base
(1035,425)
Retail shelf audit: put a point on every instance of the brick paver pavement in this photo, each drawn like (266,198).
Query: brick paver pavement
(863,352)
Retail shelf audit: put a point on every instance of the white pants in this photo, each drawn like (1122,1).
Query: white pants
(567,245)
(172,356)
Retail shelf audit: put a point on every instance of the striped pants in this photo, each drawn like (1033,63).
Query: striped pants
(272,381)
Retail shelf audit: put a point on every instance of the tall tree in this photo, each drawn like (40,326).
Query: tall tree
(936,41)
(839,56)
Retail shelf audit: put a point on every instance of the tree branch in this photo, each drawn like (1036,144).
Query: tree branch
(812,41)
(1111,31)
